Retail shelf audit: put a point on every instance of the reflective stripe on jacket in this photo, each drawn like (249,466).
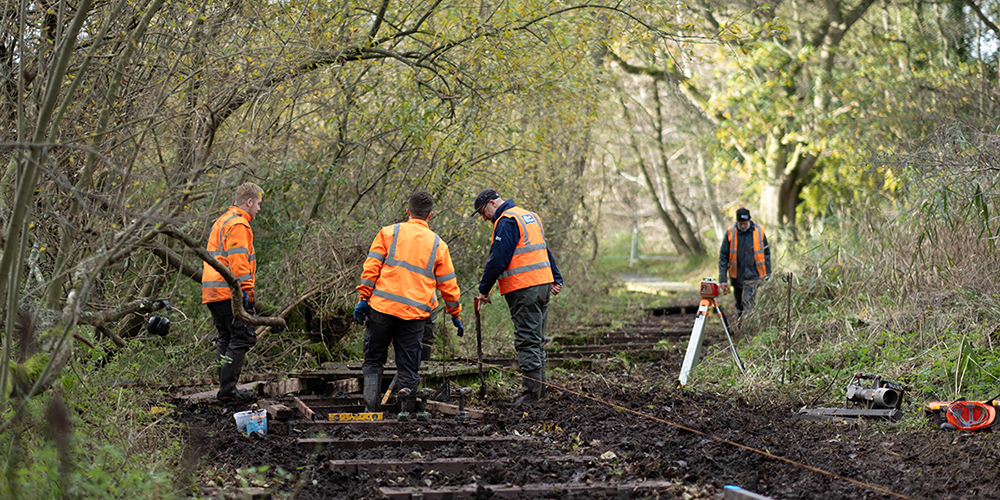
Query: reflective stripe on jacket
(529,266)
(405,265)
(231,243)
(758,250)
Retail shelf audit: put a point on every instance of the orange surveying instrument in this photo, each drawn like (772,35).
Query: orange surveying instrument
(709,291)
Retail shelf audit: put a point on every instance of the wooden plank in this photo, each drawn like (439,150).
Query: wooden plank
(304,409)
(444,465)
(283,387)
(450,409)
(301,426)
(322,400)
(606,348)
(429,370)
(248,493)
(322,411)
(344,386)
(206,395)
(567,342)
(538,490)
(313,444)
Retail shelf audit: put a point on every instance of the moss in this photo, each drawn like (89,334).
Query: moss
(318,349)
(25,374)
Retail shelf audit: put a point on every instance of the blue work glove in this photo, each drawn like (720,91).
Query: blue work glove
(458,324)
(361,312)
(249,302)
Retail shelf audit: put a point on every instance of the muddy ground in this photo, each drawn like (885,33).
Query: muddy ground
(807,460)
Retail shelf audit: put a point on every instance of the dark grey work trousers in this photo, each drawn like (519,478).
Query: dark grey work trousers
(235,336)
(529,309)
(404,335)
(744,297)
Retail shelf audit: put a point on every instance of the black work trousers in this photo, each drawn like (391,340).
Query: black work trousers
(429,337)
(529,309)
(235,336)
(404,335)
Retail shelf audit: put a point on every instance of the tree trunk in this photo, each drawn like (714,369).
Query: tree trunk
(714,210)
(670,196)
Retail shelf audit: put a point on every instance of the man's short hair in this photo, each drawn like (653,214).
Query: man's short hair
(421,203)
(246,191)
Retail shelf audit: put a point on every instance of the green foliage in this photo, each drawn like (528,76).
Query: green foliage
(117,448)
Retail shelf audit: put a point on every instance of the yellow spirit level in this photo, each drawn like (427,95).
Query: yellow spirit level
(347,417)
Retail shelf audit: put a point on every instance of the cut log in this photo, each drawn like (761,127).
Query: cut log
(276,410)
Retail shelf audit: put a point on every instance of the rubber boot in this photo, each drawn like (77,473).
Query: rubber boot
(229,377)
(371,391)
(542,386)
(425,352)
(531,388)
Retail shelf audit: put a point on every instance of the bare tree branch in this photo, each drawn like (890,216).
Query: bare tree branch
(982,17)
(176,261)
(234,285)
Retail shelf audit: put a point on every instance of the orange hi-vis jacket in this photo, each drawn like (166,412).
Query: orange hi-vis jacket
(758,250)
(529,266)
(231,243)
(406,263)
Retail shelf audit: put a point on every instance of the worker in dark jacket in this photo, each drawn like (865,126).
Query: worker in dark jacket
(522,265)
(231,243)
(745,259)
(406,264)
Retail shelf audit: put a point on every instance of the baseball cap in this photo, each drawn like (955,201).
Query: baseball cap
(742,214)
(484,197)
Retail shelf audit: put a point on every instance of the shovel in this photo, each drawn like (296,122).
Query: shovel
(479,349)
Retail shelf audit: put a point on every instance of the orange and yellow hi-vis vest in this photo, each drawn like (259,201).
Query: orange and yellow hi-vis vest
(758,250)
(529,266)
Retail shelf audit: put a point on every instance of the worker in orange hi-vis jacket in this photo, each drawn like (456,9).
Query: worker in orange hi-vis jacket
(523,267)
(231,243)
(745,259)
(406,264)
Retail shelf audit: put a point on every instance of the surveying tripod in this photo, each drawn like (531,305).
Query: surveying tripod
(709,291)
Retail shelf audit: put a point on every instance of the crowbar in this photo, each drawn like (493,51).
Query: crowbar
(479,349)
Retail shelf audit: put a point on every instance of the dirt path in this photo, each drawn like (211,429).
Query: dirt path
(616,426)
(925,464)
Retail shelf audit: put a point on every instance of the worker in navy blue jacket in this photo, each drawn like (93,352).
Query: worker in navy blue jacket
(521,263)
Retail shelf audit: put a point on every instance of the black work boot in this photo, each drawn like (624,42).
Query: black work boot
(229,377)
(373,382)
(531,387)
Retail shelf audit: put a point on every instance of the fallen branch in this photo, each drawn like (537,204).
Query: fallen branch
(234,285)
(284,311)
(120,342)
(161,251)
(137,306)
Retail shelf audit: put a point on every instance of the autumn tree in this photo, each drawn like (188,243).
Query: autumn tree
(127,125)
